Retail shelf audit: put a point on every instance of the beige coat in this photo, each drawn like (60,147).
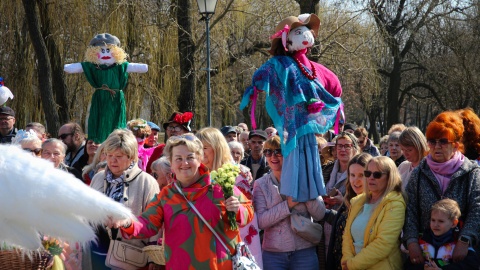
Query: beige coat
(140,188)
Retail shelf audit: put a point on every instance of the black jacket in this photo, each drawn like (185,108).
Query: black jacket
(263,166)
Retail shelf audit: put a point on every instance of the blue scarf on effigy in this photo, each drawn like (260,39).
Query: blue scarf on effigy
(288,91)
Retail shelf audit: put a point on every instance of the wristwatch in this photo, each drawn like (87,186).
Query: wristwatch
(464,239)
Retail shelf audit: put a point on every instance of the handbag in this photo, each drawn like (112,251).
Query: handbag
(243,259)
(122,255)
(306,228)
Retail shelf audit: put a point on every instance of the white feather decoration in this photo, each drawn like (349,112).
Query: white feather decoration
(37,198)
(5,94)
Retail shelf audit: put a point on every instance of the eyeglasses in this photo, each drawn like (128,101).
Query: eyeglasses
(175,128)
(376,175)
(442,142)
(37,151)
(64,136)
(155,175)
(347,146)
(270,152)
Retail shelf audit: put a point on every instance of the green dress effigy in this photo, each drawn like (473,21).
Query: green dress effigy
(107,110)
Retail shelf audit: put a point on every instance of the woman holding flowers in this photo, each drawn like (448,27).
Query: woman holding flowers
(217,155)
(189,243)
(282,248)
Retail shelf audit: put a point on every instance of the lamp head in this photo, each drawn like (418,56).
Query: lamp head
(206,7)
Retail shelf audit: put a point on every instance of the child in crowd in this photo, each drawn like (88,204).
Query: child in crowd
(439,241)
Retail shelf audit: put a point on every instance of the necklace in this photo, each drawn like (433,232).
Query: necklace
(304,71)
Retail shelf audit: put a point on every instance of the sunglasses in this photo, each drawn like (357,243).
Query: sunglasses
(37,151)
(376,175)
(64,136)
(270,152)
(155,175)
(442,142)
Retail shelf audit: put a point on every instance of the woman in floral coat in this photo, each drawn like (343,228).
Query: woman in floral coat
(189,243)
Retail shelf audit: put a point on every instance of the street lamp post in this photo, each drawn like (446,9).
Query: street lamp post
(206,8)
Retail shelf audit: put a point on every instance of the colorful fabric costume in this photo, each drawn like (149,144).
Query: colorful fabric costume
(189,244)
(107,110)
(288,95)
(440,250)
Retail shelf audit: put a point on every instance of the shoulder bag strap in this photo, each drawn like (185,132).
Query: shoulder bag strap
(202,218)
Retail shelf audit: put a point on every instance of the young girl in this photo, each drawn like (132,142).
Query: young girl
(439,241)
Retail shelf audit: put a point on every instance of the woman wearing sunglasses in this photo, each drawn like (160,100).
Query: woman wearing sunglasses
(189,243)
(375,220)
(444,173)
(282,248)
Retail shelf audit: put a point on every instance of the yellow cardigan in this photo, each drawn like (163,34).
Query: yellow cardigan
(381,248)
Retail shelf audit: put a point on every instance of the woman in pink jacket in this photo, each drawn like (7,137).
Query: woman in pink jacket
(282,248)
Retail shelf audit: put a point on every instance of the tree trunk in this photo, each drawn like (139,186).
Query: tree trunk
(393,115)
(186,50)
(372,130)
(308,6)
(58,79)
(44,67)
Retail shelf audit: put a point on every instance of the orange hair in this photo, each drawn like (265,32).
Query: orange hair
(448,125)
(471,134)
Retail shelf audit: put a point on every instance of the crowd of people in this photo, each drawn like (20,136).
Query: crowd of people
(411,203)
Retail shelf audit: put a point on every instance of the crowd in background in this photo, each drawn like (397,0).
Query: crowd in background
(413,202)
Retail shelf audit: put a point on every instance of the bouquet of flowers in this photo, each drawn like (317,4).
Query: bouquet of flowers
(52,245)
(225,176)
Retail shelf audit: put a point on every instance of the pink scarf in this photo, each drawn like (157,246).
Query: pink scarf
(444,171)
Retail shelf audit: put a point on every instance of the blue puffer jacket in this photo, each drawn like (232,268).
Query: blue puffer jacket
(423,191)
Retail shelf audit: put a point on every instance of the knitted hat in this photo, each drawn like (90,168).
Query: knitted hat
(104,39)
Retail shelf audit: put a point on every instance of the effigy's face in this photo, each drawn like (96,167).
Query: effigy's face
(105,56)
(301,38)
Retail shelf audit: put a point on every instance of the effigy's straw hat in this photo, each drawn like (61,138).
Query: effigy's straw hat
(309,20)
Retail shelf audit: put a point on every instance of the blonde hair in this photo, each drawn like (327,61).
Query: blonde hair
(413,137)
(189,140)
(95,162)
(118,53)
(139,128)
(396,128)
(385,165)
(216,140)
(273,143)
(448,207)
(123,140)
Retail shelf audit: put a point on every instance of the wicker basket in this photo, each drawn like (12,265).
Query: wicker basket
(155,253)
(14,259)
